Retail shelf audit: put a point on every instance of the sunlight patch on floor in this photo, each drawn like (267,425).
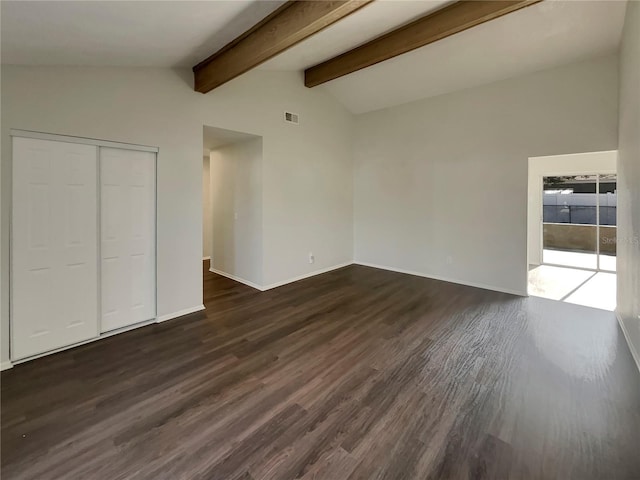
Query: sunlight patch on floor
(579,259)
(581,287)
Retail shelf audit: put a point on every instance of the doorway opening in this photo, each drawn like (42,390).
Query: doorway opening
(573,204)
(232,205)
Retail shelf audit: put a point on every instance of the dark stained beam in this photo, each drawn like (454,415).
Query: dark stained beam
(288,25)
(440,24)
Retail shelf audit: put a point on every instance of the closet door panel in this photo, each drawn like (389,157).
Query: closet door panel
(128,237)
(113,218)
(54,245)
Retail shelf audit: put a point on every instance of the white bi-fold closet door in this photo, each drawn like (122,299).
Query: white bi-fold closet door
(127,180)
(54,245)
(83,241)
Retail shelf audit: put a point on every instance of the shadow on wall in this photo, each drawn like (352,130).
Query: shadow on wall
(232,206)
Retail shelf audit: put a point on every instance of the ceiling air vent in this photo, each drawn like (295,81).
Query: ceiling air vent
(291,118)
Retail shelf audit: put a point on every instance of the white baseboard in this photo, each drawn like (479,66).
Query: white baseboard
(236,279)
(634,352)
(6,365)
(263,288)
(186,311)
(444,279)
(306,275)
(206,258)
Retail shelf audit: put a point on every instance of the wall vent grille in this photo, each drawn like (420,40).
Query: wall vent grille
(291,118)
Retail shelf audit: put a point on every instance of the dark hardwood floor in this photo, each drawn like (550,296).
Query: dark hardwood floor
(354,374)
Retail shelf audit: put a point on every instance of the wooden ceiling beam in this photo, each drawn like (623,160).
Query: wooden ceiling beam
(288,25)
(435,26)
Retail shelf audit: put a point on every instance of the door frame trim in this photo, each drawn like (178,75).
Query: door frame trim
(85,141)
(563,164)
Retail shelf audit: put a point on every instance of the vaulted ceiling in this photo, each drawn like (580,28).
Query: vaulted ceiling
(182,33)
(134,33)
(544,35)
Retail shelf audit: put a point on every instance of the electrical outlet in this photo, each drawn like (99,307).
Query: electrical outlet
(449,260)
(312,258)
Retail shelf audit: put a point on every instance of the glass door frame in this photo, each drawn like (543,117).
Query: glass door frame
(565,174)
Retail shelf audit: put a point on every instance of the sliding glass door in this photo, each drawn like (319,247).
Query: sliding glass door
(607,221)
(579,221)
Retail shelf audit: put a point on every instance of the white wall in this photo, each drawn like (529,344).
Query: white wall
(308,188)
(307,192)
(206,209)
(557,165)
(236,197)
(441,184)
(629,181)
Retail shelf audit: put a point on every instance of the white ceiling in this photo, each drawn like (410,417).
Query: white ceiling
(182,33)
(373,20)
(176,33)
(547,34)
